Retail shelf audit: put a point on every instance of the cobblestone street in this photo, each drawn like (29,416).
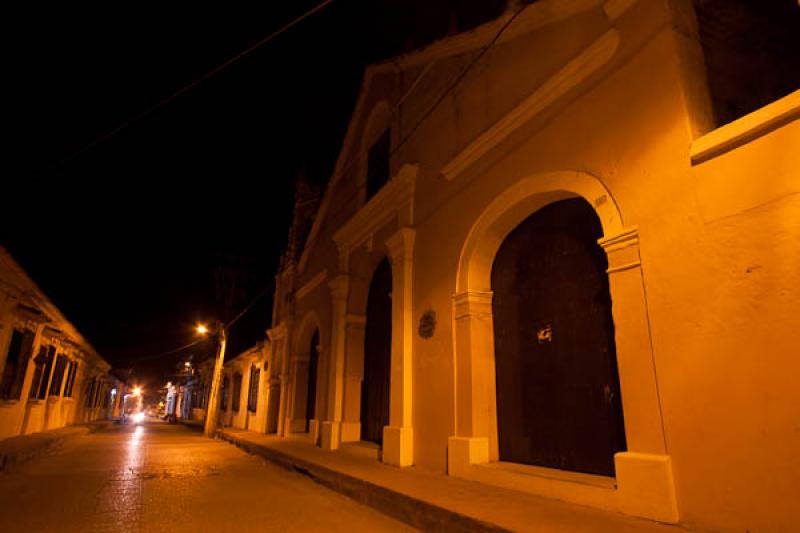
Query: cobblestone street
(157,477)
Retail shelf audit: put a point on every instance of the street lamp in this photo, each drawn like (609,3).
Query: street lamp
(213,399)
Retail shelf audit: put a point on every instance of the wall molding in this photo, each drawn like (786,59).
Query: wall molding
(571,75)
(311,284)
(394,201)
(746,129)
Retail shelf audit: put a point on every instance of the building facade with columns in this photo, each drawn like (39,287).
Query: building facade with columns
(51,375)
(545,262)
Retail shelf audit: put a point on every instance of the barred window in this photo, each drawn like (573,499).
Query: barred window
(41,376)
(90,392)
(19,353)
(73,370)
(223,394)
(237,392)
(252,397)
(58,375)
(378,164)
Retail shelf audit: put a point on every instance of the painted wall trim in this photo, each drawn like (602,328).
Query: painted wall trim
(395,200)
(746,129)
(571,75)
(616,8)
(311,284)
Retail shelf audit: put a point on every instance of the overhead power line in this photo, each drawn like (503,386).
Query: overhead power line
(169,352)
(345,204)
(456,81)
(186,88)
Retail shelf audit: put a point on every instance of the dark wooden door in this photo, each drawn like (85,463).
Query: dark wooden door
(558,399)
(377,355)
(313,361)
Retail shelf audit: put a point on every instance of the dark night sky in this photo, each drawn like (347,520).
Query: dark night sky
(126,237)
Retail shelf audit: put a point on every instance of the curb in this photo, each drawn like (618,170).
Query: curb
(413,511)
(192,424)
(23,448)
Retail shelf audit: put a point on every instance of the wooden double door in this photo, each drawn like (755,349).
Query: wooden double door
(377,355)
(558,394)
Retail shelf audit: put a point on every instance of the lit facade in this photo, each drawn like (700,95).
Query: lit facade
(584,105)
(51,377)
(245,396)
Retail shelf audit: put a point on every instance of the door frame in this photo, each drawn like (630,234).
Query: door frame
(644,483)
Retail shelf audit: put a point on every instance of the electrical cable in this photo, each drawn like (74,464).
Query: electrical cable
(248,307)
(216,70)
(457,80)
(170,352)
(345,204)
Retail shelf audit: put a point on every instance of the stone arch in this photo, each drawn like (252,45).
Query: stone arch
(644,483)
(513,206)
(300,370)
(363,263)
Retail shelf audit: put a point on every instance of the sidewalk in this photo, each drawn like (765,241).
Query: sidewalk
(196,425)
(430,500)
(16,450)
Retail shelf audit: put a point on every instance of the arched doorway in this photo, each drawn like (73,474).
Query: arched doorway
(558,394)
(311,393)
(377,355)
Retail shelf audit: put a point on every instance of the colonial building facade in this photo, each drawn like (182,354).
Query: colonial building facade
(542,262)
(51,376)
(247,400)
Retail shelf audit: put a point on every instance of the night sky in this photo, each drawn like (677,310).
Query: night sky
(129,236)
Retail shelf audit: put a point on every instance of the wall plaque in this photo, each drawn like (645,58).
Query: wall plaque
(427,324)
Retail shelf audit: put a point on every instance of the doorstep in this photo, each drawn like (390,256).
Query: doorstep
(431,500)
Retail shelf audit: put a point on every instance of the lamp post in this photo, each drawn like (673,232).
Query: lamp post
(213,398)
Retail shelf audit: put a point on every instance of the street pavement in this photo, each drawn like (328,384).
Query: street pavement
(158,477)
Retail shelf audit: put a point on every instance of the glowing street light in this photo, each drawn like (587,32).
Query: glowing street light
(201,329)
(137,391)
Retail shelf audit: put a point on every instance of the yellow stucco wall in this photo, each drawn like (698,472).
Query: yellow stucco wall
(718,242)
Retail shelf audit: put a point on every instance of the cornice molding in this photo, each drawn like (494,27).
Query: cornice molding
(570,76)
(311,284)
(627,238)
(472,303)
(746,129)
(394,200)
(535,16)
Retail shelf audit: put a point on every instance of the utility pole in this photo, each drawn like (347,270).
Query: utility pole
(216,380)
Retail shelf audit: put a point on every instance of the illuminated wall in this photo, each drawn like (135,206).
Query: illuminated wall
(605,101)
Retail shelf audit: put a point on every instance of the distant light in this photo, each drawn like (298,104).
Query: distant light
(201,329)
(137,391)
(187,364)
(138,418)
(113,392)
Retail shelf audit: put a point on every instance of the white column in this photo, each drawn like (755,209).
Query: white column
(398,436)
(644,471)
(331,426)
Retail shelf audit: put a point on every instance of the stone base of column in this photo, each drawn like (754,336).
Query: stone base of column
(351,432)
(330,435)
(314,428)
(297,426)
(646,487)
(465,451)
(398,446)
